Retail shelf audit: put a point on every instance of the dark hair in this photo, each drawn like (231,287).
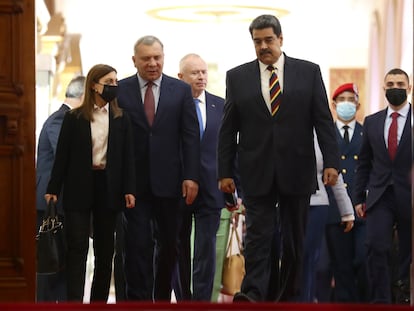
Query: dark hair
(398,71)
(75,87)
(266,21)
(88,104)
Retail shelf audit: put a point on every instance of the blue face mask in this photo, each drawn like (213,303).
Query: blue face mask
(346,110)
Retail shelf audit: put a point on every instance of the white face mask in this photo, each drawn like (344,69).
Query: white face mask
(346,110)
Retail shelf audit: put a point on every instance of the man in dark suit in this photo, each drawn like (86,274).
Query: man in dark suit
(167,157)
(347,249)
(383,187)
(276,154)
(206,209)
(53,287)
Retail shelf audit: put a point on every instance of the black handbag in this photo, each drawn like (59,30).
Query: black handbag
(51,243)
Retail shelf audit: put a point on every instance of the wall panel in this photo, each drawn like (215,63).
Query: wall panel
(17,141)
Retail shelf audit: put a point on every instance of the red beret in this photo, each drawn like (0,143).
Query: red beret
(347,87)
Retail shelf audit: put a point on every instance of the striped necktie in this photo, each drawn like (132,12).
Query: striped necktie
(275,91)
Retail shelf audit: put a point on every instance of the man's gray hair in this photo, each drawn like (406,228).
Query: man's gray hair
(147,40)
(76,87)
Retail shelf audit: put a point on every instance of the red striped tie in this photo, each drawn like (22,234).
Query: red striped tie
(275,91)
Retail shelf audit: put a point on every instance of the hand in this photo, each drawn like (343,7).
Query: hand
(189,191)
(241,207)
(227,185)
(330,176)
(360,210)
(348,225)
(49,197)
(130,200)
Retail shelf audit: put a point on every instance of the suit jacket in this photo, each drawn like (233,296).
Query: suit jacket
(209,191)
(73,163)
(375,170)
(349,154)
(280,148)
(46,150)
(169,151)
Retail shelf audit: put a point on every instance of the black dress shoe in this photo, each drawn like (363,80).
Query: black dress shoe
(401,292)
(240,297)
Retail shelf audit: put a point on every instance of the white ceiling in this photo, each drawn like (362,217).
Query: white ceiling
(316,30)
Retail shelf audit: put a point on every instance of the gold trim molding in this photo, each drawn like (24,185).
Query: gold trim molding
(213,13)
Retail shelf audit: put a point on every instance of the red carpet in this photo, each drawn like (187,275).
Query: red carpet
(201,307)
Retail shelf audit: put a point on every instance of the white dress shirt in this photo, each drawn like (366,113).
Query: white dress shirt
(99,132)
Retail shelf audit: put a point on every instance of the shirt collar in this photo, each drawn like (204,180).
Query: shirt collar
(143,82)
(279,64)
(103,108)
(202,98)
(403,111)
(341,124)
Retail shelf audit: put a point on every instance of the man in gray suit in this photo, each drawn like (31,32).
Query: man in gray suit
(275,153)
(53,287)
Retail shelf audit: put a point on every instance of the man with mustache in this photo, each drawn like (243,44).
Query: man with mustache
(272,105)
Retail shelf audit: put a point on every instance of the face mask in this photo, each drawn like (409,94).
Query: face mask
(346,110)
(396,96)
(109,92)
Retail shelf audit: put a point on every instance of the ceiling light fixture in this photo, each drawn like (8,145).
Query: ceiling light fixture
(213,13)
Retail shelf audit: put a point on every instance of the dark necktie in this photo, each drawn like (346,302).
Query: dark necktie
(346,133)
(392,136)
(275,92)
(199,116)
(149,103)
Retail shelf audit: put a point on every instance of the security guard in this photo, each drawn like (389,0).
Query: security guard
(346,250)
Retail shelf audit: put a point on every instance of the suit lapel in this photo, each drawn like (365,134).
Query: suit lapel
(380,129)
(342,145)
(256,84)
(212,113)
(209,113)
(406,134)
(165,92)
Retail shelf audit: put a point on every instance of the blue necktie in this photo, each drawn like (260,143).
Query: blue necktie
(199,116)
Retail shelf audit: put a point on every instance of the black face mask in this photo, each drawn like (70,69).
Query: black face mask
(396,96)
(109,92)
